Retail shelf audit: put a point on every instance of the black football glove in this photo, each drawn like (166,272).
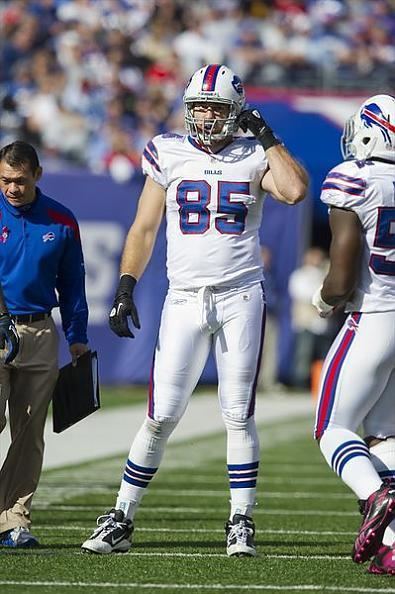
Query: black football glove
(251,119)
(9,338)
(123,307)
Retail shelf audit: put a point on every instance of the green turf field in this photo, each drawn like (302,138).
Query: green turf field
(305,523)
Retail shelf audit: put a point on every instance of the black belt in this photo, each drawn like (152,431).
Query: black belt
(29,318)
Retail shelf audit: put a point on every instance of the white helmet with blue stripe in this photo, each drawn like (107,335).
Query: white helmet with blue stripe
(370,132)
(214,83)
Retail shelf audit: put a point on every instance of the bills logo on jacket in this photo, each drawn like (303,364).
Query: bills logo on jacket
(50,236)
(4,234)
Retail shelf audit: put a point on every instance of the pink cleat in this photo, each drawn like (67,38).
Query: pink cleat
(384,561)
(379,511)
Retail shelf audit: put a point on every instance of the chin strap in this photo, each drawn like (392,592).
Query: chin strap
(382,160)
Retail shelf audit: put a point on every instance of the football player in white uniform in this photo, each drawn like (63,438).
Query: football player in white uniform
(209,184)
(358,377)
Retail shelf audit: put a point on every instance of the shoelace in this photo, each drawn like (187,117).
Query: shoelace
(106,523)
(241,532)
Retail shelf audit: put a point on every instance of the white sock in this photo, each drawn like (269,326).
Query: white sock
(144,458)
(348,455)
(244,509)
(128,507)
(383,459)
(243,463)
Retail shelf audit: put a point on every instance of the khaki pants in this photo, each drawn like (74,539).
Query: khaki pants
(27,384)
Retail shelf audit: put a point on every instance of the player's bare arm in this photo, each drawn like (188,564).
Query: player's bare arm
(136,254)
(142,234)
(345,255)
(285,179)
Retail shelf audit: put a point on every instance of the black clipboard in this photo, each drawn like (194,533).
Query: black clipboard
(76,394)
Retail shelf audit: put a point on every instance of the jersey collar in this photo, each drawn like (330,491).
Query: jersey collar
(201,148)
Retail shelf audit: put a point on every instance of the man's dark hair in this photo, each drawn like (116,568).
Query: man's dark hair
(20,153)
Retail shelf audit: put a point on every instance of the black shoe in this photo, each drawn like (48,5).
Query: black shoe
(240,536)
(112,535)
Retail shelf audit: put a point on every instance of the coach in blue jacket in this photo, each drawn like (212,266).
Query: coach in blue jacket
(41,267)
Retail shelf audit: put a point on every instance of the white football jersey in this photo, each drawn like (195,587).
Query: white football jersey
(213,209)
(368,189)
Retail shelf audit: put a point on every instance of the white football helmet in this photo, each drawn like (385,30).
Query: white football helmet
(214,83)
(371,131)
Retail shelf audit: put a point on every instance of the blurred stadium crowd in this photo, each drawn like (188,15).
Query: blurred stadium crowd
(90,81)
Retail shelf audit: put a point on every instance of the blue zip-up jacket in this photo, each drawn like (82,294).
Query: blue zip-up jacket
(40,251)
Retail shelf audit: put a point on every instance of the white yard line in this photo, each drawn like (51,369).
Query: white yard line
(266,494)
(204,530)
(211,587)
(60,489)
(154,510)
(51,553)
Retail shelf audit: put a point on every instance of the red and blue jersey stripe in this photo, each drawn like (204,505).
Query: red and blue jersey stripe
(347,190)
(344,183)
(150,153)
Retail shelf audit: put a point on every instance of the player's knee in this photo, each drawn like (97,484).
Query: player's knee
(161,427)
(237,421)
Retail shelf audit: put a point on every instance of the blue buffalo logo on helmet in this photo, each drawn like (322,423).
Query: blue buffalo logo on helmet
(370,133)
(373,116)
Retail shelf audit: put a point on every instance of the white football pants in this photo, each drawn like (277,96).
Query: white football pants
(231,322)
(358,378)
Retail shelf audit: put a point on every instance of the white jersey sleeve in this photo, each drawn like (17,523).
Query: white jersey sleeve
(368,189)
(344,186)
(151,162)
(213,209)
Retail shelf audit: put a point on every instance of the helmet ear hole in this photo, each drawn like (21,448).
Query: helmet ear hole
(365,140)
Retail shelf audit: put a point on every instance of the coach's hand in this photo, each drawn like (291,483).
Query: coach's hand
(77,349)
(123,307)
(251,119)
(9,338)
